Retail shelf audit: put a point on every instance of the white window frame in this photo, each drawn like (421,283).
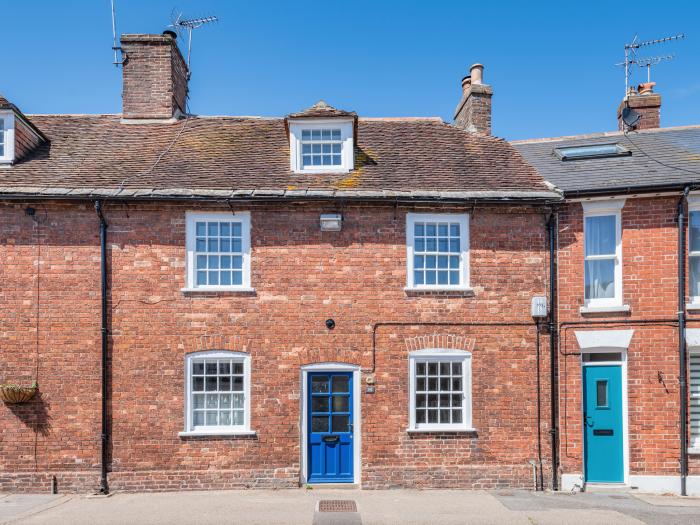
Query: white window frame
(605,209)
(190,429)
(432,354)
(693,207)
(8,119)
(346,136)
(191,282)
(463,220)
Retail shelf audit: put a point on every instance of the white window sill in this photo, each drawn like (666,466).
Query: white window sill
(456,289)
(435,430)
(692,306)
(692,450)
(209,433)
(216,289)
(604,309)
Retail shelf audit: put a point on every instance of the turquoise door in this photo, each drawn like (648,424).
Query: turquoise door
(330,427)
(602,419)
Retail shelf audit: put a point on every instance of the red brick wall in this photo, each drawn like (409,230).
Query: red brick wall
(650,284)
(302,277)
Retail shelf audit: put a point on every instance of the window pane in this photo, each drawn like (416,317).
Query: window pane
(600,235)
(237,400)
(212,401)
(341,423)
(225,401)
(225,418)
(600,279)
(341,404)
(198,401)
(319,424)
(340,384)
(694,233)
(197,368)
(601,394)
(210,384)
(237,384)
(197,384)
(420,416)
(319,384)
(319,404)
(198,419)
(212,418)
(694,264)
(237,417)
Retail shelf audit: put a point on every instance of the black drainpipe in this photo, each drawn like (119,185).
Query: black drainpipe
(551,231)
(104,435)
(681,340)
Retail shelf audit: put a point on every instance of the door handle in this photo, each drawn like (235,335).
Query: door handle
(586,421)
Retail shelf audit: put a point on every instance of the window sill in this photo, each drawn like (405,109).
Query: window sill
(441,430)
(623,308)
(219,289)
(222,433)
(692,306)
(694,451)
(464,291)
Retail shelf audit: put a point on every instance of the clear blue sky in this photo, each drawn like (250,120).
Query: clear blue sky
(551,64)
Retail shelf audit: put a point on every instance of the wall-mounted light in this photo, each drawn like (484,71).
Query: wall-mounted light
(538,308)
(331,222)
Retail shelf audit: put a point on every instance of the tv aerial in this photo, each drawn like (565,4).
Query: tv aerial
(180,24)
(631,57)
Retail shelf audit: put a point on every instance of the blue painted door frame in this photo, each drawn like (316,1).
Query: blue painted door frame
(330,427)
(603,428)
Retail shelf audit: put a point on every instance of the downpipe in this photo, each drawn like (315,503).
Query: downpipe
(681,341)
(104,434)
(552,326)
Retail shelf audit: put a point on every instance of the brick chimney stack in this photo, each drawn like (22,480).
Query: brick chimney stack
(473,112)
(154,77)
(645,103)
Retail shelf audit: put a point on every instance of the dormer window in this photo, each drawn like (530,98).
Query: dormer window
(321,140)
(321,147)
(7,141)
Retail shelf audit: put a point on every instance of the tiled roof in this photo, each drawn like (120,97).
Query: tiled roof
(660,157)
(246,156)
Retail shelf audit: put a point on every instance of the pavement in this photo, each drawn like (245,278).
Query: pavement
(374,507)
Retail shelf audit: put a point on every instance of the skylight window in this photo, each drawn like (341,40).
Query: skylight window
(591,151)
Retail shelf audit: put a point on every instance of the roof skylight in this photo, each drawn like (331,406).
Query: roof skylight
(591,151)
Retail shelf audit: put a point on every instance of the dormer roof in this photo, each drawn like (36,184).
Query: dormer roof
(322,110)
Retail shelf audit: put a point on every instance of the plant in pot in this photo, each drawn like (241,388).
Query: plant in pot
(12,393)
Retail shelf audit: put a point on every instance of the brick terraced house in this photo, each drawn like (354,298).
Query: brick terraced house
(221,302)
(628,261)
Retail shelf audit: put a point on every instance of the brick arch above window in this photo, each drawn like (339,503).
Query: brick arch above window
(445,340)
(202,343)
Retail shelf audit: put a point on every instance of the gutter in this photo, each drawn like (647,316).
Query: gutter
(599,192)
(681,342)
(104,434)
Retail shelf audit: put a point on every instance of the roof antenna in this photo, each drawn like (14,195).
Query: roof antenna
(631,57)
(115,47)
(180,24)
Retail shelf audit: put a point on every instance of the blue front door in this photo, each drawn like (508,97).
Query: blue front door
(602,418)
(330,427)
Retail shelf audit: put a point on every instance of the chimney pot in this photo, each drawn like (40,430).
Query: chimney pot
(477,73)
(473,112)
(172,34)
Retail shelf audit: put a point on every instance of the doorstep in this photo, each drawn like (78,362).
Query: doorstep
(607,487)
(334,486)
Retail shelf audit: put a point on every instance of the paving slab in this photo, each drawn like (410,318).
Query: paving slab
(374,507)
